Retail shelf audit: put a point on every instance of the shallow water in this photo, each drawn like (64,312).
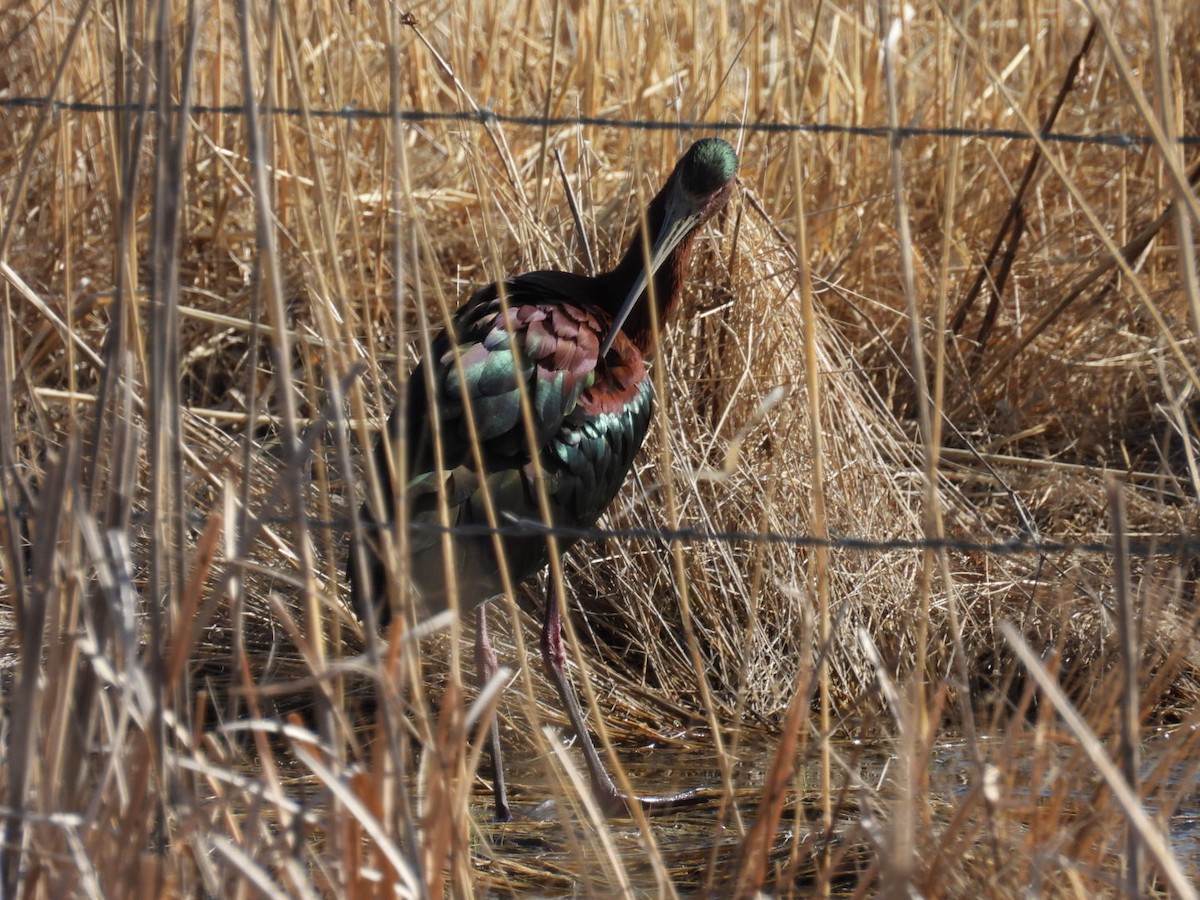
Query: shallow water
(700,846)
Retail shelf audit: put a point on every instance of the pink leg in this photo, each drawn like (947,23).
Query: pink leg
(611,800)
(485,669)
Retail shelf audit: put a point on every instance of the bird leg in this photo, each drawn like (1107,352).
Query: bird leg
(611,800)
(485,670)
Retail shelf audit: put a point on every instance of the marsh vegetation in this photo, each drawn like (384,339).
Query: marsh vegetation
(886,526)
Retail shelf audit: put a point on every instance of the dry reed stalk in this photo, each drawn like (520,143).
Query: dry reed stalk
(190,303)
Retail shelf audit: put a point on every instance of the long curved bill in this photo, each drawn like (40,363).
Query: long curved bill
(680,219)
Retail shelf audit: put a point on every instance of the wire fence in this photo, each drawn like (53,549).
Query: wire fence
(485,117)
(1158,545)
(1178,545)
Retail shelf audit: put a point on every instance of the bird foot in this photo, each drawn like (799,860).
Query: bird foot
(615,804)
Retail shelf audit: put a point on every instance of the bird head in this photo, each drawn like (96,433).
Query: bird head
(699,188)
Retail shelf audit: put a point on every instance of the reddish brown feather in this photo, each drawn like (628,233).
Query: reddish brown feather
(618,379)
(567,340)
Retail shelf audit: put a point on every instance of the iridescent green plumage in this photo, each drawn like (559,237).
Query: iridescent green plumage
(586,436)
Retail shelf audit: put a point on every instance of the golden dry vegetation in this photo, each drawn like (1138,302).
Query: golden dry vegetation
(207,313)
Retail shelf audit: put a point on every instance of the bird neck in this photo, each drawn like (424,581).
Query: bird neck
(668,281)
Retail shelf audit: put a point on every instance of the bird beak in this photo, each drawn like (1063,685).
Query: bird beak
(681,217)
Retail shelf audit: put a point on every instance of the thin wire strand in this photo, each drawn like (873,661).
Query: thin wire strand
(487,117)
(1161,545)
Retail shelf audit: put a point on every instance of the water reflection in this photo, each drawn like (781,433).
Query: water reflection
(700,847)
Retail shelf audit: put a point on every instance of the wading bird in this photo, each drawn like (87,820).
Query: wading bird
(577,348)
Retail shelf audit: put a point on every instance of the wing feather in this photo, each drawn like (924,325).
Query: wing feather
(589,420)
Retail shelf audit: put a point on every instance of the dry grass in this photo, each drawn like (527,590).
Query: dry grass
(188,706)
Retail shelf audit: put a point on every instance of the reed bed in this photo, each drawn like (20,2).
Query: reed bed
(972,347)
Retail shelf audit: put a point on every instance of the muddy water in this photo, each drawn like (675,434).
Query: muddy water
(700,846)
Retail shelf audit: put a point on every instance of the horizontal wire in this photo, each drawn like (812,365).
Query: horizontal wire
(1157,545)
(1163,545)
(1177,545)
(484,116)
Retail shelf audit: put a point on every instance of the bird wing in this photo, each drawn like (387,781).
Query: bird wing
(544,345)
(538,341)
(588,421)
